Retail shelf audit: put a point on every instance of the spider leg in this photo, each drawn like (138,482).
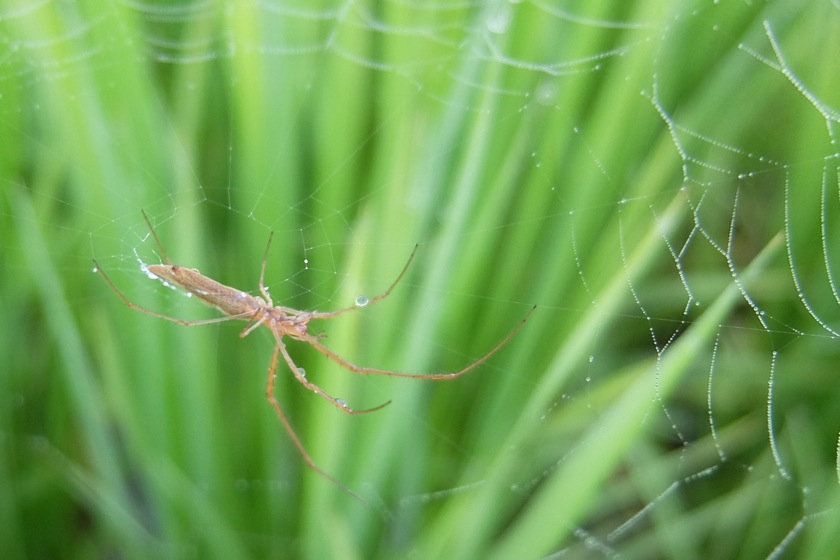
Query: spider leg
(182,322)
(159,244)
(313,341)
(269,395)
(301,377)
(380,297)
(258,318)
(263,289)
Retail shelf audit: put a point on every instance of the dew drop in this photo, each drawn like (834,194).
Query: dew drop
(362,301)
(500,21)
(341,402)
(302,372)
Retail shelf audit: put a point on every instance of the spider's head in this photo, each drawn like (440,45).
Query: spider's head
(295,325)
(300,328)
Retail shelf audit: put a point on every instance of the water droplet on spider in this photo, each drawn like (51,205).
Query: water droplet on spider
(362,301)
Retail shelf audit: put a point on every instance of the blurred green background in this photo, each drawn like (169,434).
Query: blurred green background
(659,177)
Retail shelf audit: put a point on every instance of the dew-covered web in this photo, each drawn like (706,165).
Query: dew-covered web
(660,179)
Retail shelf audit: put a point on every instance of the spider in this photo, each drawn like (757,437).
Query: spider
(282,322)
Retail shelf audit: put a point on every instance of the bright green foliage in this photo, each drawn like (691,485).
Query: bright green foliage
(658,177)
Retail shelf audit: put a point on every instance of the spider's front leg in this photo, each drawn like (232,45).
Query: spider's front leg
(258,318)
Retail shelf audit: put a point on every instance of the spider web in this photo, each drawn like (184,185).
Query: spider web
(671,210)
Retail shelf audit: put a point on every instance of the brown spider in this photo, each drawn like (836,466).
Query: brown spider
(281,321)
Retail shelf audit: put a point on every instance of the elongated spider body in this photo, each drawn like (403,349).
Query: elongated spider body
(282,322)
